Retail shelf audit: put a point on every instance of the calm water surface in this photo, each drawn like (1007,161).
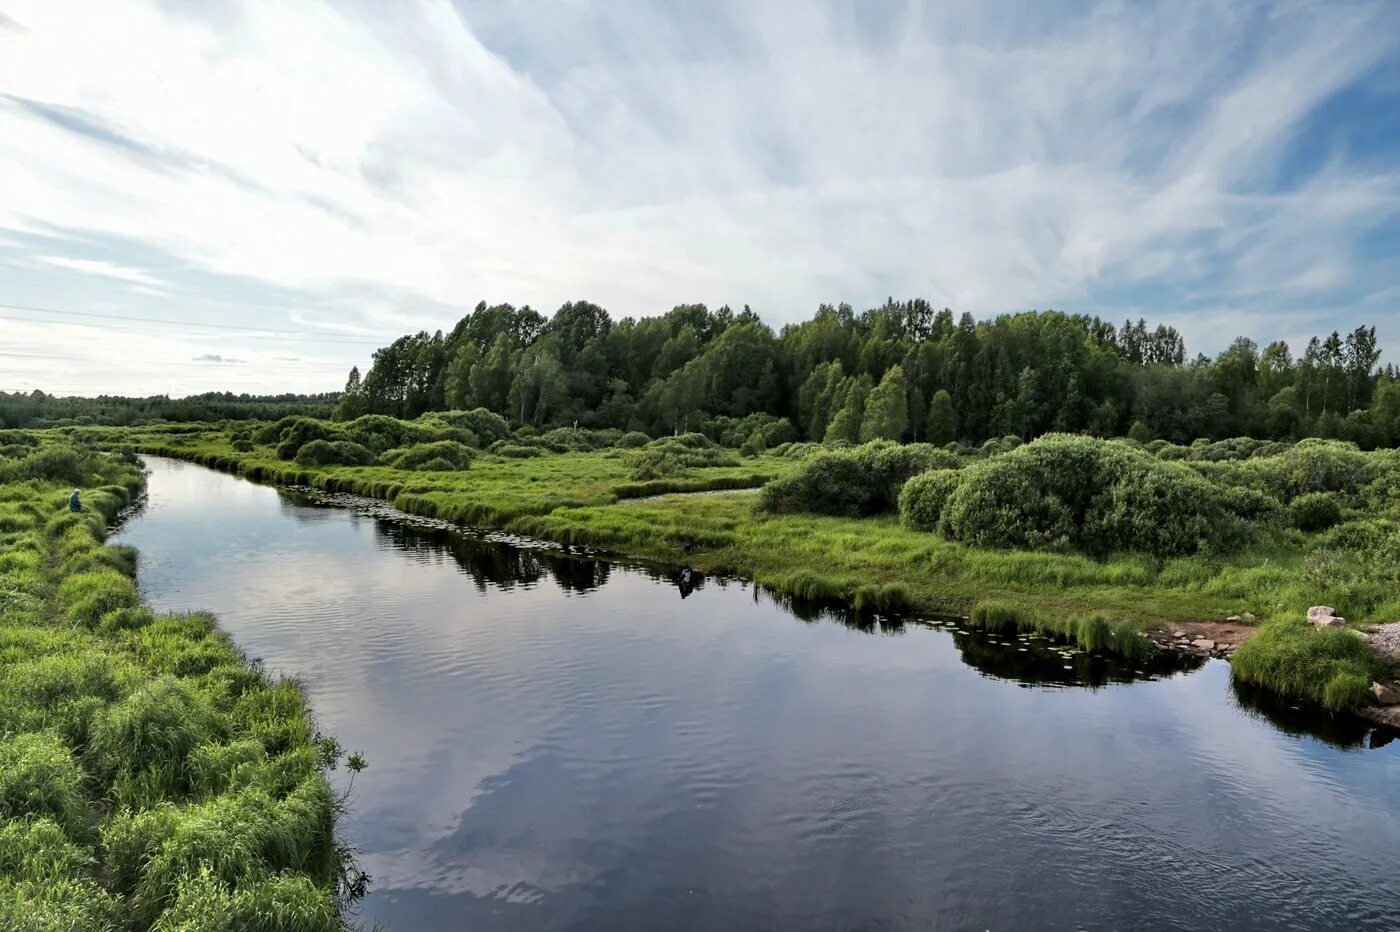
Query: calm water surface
(558,742)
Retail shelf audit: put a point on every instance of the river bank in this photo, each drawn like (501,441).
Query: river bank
(149,773)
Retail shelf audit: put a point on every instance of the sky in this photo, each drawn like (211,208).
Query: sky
(204,195)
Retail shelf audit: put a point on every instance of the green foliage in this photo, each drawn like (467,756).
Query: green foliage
(886,415)
(1079,493)
(441,456)
(144,741)
(942,425)
(516,451)
(922,499)
(335,452)
(1331,666)
(121,733)
(633,440)
(39,777)
(86,597)
(830,483)
(296,432)
(1315,511)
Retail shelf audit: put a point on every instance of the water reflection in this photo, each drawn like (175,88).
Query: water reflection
(557,741)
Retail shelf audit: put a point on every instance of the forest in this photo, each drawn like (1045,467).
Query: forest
(903,371)
(39,409)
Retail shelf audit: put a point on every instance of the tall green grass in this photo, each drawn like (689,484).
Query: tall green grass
(149,778)
(1331,666)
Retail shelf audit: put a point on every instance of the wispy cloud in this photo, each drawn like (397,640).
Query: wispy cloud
(389,167)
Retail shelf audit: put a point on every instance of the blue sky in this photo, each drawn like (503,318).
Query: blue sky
(254,195)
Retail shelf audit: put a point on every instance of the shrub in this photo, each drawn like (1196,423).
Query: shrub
(243,446)
(830,483)
(1332,666)
(440,456)
(516,451)
(1315,511)
(892,464)
(923,498)
(57,462)
(298,432)
(1067,492)
(633,439)
(1311,466)
(334,453)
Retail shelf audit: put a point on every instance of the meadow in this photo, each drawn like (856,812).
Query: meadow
(150,776)
(1093,540)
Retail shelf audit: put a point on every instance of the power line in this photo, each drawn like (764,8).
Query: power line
(152,320)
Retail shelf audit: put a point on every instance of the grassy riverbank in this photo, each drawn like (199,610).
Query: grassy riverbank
(149,777)
(1245,529)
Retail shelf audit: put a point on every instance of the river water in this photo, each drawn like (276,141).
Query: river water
(561,742)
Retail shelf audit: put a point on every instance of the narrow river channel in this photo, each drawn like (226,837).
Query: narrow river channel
(559,742)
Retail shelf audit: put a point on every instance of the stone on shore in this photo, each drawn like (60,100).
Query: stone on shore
(1203,644)
(1385,694)
(1323,616)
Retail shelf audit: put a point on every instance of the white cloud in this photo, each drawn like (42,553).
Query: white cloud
(389,163)
(105,269)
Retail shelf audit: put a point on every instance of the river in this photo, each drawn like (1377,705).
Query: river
(561,742)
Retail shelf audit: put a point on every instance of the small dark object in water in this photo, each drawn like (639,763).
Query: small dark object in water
(687,583)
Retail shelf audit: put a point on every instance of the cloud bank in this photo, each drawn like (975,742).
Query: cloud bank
(357,169)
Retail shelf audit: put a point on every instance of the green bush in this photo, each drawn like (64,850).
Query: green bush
(56,462)
(334,453)
(834,483)
(923,498)
(486,425)
(1315,511)
(515,451)
(633,439)
(242,446)
(442,455)
(1066,492)
(298,432)
(1310,466)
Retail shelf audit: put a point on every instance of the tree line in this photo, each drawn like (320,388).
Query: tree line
(38,409)
(902,371)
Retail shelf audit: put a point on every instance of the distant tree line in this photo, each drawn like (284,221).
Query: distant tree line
(902,371)
(36,409)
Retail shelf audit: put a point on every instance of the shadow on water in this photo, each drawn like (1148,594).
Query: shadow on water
(1342,731)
